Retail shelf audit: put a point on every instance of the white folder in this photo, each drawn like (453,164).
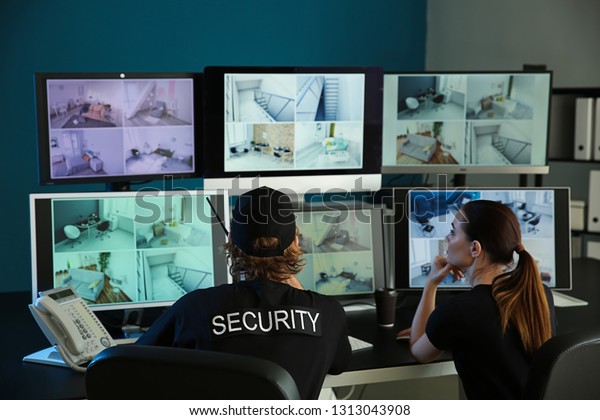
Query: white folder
(594,202)
(584,128)
(596,153)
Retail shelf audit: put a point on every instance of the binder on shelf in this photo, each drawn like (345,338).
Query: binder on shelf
(597,130)
(584,128)
(594,202)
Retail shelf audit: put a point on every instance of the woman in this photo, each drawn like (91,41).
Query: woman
(494,329)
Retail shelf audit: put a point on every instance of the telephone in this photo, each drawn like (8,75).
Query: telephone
(70,325)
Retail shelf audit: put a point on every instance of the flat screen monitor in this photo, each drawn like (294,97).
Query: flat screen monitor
(423,217)
(293,127)
(343,247)
(127,250)
(466,122)
(117,127)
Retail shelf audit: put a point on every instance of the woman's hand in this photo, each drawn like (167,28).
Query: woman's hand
(441,268)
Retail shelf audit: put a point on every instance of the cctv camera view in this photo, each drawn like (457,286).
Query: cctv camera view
(120,127)
(432,212)
(465,119)
(128,249)
(278,122)
(339,250)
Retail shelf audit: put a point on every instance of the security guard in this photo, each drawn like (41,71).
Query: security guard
(267,314)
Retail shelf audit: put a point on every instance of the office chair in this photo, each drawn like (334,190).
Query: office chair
(438,100)
(566,367)
(151,372)
(103,230)
(533,222)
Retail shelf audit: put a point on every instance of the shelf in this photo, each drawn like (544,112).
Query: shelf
(583,232)
(565,160)
(577,91)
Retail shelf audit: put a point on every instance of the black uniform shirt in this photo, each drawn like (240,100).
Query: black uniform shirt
(491,365)
(302,331)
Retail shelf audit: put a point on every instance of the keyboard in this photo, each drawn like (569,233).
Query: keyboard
(358,344)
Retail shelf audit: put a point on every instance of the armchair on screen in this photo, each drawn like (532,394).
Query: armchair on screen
(136,372)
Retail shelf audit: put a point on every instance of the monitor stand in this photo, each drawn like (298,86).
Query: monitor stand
(460,180)
(118,186)
(47,356)
(51,356)
(564,301)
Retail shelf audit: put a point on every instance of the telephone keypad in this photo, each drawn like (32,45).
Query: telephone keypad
(86,331)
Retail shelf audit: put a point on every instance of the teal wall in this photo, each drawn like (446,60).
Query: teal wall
(176,35)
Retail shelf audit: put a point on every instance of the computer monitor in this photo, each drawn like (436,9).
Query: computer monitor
(127,250)
(117,128)
(343,247)
(309,128)
(492,122)
(422,220)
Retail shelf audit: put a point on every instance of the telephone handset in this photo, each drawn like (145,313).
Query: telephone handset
(70,325)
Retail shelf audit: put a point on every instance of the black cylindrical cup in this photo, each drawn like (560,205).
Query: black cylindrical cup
(385,302)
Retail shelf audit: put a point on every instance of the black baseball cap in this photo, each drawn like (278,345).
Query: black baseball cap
(263,212)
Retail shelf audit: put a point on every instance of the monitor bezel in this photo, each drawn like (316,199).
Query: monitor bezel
(400,247)
(471,169)
(119,181)
(42,244)
(215,175)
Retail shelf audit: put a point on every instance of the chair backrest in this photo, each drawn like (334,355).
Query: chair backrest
(536,219)
(150,372)
(566,367)
(103,225)
(71,231)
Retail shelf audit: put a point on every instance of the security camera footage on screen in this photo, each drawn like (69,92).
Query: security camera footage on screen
(284,122)
(127,251)
(478,122)
(340,249)
(432,212)
(116,128)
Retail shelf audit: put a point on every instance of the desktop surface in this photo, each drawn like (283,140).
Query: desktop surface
(22,380)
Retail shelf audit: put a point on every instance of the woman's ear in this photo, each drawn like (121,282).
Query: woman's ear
(297,240)
(475,249)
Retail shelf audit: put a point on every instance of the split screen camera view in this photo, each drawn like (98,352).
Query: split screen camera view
(279,122)
(107,128)
(432,212)
(465,119)
(127,249)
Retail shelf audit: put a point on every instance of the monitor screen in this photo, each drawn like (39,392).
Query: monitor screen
(124,250)
(116,127)
(343,247)
(466,122)
(423,218)
(318,126)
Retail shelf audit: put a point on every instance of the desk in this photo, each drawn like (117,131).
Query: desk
(388,360)
(87,226)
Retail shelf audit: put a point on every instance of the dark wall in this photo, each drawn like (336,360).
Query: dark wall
(415,86)
(179,35)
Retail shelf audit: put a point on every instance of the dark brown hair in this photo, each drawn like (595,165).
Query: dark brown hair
(519,293)
(272,268)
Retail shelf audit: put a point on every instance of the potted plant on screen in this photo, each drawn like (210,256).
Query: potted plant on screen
(103,260)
